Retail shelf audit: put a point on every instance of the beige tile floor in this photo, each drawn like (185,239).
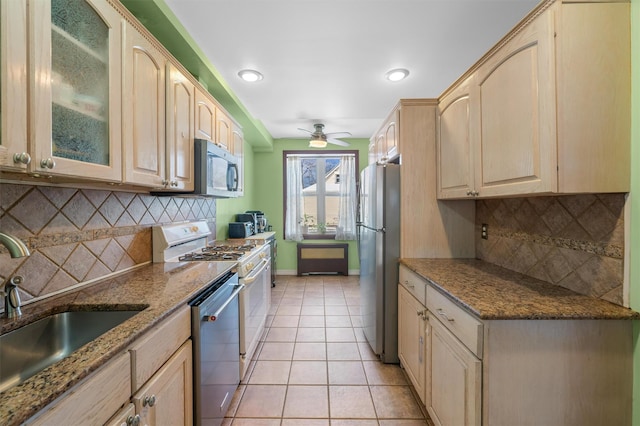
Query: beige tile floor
(314,367)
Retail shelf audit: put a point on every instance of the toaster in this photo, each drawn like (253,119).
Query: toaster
(240,229)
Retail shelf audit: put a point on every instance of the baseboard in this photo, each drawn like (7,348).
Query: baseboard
(295,272)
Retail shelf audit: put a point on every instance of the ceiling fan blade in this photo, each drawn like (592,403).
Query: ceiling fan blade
(338,135)
(305,130)
(337,142)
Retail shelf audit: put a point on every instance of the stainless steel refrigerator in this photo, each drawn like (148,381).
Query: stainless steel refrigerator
(379,250)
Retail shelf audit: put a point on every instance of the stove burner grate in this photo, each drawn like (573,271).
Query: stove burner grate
(211,256)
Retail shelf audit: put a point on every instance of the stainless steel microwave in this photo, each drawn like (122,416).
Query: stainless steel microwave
(215,170)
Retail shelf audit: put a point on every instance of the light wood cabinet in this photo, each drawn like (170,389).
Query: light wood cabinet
(75,90)
(384,143)
(505,371)
(205,116)
(516,101)
(94,400)
(125,417)
(13,85)
(444,229)
(455,143)
(224,137)
(412,339)
(453,394)
(167,398)
(143,117)
(151,381)
(180,130)
(547,110)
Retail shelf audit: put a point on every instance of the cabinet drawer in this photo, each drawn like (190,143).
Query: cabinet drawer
(94,400)
(414,283)
(464,326)
(155,348)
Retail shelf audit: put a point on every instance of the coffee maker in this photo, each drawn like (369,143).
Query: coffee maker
(261,220)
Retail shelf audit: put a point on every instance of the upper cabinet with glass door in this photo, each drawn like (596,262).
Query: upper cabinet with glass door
(13,85)
(76,89)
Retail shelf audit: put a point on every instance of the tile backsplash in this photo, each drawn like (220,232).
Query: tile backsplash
(76,235)
(575,241)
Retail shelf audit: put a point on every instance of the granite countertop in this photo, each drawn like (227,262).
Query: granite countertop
(494,293)
(159,289)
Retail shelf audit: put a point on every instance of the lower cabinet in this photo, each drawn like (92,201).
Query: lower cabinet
(125,417)
(149,384)
(92,401)
(166,399)
(503,372)
(412,339)
(453,389)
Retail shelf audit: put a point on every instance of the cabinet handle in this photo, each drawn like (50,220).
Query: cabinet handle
(149,400)
(444,315)
(47,163)
(420,348)
(174,183)
(133,420)
(476,193)
(165,182)
(22,158)
(420,314)
(406,283)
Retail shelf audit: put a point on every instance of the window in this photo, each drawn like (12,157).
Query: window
(320,194)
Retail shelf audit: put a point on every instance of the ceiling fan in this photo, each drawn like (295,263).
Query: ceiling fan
(319,138)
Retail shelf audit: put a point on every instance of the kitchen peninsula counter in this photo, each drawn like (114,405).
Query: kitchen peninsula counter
(157,290)
(493,293)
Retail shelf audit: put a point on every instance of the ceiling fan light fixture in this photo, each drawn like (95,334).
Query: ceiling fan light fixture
(250,75)
(317,143)
(397,74)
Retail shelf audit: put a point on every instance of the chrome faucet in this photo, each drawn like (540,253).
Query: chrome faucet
(16,247)
(11,296)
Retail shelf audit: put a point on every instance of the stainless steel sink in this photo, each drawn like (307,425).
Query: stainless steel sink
(30,349)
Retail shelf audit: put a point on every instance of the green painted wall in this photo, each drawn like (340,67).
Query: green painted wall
(634,254)
(268,194)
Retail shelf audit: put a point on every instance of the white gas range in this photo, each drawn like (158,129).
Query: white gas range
(189,241)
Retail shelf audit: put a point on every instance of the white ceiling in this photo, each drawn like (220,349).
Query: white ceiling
(325,60)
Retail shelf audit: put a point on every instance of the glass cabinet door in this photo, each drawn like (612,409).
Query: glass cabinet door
(13,85)
(77,88)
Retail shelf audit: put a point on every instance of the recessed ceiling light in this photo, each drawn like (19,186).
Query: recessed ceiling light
(250,75)
(397,74)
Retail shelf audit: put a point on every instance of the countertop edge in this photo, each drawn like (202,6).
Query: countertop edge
(601,309)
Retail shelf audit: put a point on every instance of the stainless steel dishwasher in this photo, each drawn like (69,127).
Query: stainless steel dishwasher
(215,330)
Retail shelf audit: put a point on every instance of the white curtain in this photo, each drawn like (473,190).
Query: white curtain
(348,199)
(294,213)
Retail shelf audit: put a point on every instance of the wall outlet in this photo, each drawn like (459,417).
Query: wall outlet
(484,231)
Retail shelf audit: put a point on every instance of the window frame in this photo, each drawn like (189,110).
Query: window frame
(324,153)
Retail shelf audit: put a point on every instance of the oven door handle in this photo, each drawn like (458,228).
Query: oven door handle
(252,277)
(216,314)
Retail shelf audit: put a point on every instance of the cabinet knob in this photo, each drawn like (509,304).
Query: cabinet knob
(47,163)
(21,158)
(133,420)
(149,400)
(469,192)
(406,283)
(165,182)
(174,183)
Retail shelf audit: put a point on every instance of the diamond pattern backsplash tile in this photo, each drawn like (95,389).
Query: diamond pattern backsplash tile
(575,241)
(77,235)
